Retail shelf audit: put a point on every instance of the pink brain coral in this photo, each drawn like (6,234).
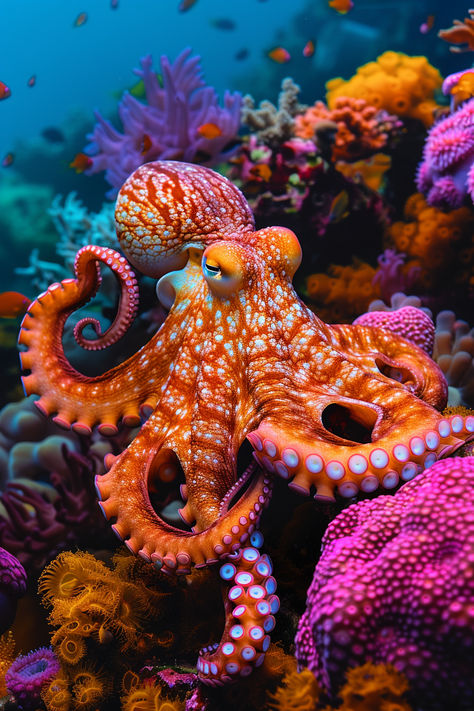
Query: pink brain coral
(409,321)
(395,585)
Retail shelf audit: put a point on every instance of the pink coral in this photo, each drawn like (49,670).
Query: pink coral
(410,322)
(444,173)
(395,585)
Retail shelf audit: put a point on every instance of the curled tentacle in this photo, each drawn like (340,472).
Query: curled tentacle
(128,302)
(250,604)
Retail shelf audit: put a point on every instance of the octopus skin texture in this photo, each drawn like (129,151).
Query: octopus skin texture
(239,357)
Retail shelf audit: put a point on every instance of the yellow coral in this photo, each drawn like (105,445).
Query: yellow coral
(373,687)
(56,694)
(89,686)
(149,698)
(440,243)
(299,691)
(396,82)
(344,293)
(7,657)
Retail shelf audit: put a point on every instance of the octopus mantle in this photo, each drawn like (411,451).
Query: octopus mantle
(341,408)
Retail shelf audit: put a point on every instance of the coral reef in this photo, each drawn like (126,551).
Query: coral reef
(409,321)
(446,173)
(273,125)
(12,586)
(361,606)
(400,84)
(362,129)
(168,125)
(28,675)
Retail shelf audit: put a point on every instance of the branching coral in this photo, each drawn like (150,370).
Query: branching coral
(270,124)
(168,125)
(461,33)
(394,585)
(396,82)
(362,129)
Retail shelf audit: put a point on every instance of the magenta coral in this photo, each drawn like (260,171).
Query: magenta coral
(28,674)
(395,585)
(167,127)
(446,174)
(410,322)
(390,275)
(12,586)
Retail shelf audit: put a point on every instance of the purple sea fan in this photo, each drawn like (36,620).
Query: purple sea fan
(165,128)
(446,173)
(28,674)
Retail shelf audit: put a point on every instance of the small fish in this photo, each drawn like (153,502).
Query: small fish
(8,160)
(5,91)
(341,6)
(13,304)
(209,130)
(428,25)
(241,54)
(308,49)
(81,162)
(32,80)
(146,144)
(339,205)
(53,135)
(261,170)
(223,23)
(80,19)
(279,55)
(186,5)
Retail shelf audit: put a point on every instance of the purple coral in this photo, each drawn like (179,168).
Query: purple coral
(12,586)
(165,128)
(28,674)
(395,584)
(390,275)
(446,173)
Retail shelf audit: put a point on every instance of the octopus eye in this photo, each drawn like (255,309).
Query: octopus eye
(212,269)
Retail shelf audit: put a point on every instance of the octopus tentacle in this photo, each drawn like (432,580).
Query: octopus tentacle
(123,494)
(386,461)
(79,400)
(250,604)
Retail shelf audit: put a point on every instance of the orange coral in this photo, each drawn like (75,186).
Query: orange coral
(299,691)
(361,129)
(145,697)
(344,293)
(396,82)
(7,657)
(374,687)
(440,243)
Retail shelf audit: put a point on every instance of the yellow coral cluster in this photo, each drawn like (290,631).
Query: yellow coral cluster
(344,293)
(440,243)
(370,687)
(7,657)
(400,84)
(145,697)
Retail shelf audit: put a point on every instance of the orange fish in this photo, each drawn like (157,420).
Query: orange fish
(428,25)
(186,5)
(339,205)
(341,6)
(280,55)
(8,160)
(261,170)
(146,144)
(209,130)
(13,304)
(5,91)
(308,49)
(80,19)
(81,162)
(32,80)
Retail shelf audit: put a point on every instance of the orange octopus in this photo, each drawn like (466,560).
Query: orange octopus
(331,409)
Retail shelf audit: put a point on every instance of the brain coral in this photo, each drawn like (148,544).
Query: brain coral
(395,585)
(396,82)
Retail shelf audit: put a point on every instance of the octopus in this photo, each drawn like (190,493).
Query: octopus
(332,409)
